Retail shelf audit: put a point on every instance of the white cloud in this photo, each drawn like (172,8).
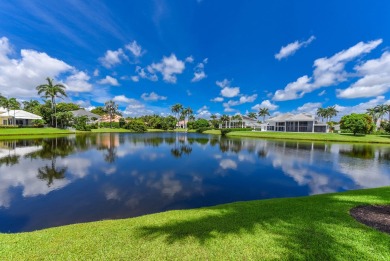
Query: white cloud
(243,99)
(112,58)
(168,67)
(223,83)
(375,79)
(230,92)
(265,104)
(109,81)
(361,107)
(135,49)
(227,91)
(123,99)
(134,78)
(96,72)
(144,74)
(152,97)
(228,164)
(310,107)
(217,99)
(199,73)
(327,72)
(322,93)
(189,59)
(20,76)
(291,48)
(78,82)
(294,90)
(203,112)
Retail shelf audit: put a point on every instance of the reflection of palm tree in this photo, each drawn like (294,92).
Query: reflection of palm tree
(50,173)
(9,160)
(176,152)
(110,156)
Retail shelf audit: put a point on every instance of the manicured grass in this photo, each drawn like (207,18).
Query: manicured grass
(217,132)
(306,228)
(313,136)
(33,131)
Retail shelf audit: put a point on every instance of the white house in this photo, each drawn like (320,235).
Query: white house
(22,118)
(245,122)
(92,117)
(296,123)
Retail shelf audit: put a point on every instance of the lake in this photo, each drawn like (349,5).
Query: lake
(65,180)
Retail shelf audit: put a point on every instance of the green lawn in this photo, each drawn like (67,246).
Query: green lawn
(306,228)
(32,131)
(313,136)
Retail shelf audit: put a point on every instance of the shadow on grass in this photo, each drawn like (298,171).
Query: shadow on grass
(316,228)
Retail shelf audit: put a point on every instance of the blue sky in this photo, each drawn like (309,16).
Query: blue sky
(222,57)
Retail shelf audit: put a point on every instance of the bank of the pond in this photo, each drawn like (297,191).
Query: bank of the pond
(312,228)
(33,131)
(327,137)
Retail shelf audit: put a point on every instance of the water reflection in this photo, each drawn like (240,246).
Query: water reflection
(50,182)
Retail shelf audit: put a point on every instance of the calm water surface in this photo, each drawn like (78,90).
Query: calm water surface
(58,181)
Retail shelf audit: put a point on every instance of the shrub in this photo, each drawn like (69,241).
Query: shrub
(199,123)
(9,126)
(387,127)
(136,125)
(357,123)
(203,129)
(80,123)
(115,125)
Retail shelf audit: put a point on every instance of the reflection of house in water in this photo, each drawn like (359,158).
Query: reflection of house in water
(108,140)
(19,148)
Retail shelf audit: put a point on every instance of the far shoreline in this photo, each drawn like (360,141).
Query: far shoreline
(23,133)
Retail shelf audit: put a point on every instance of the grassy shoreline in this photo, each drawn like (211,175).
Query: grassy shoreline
(323,137)
(313,228)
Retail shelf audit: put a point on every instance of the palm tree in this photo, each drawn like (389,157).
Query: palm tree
(331,112)
(388,110)
(321,113)
(213,117)
(14,105)
(252,115)
(186,112)
(263,112)
(5,103)
(52,91)
(177,109)
(373,113)
(111,108)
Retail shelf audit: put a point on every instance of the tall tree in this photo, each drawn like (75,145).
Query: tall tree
(263,112)
(252,115)
(52,91)
(6,104)
(177,109)
(388,110)
(321,113)
(32,106)
(111,108)
(186,113)
(331,112)
(14,105)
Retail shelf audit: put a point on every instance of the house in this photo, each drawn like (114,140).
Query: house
(92,117)
(244,122)
(106,118)
(296,123)
(181,124)
(22,118)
